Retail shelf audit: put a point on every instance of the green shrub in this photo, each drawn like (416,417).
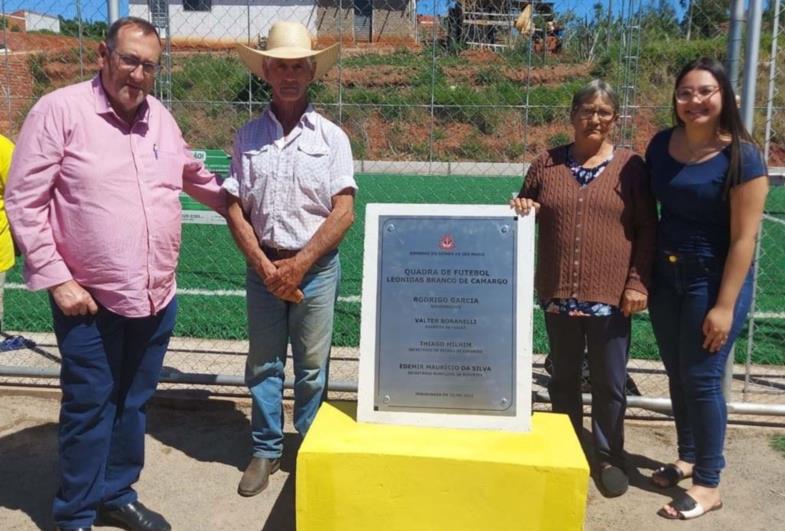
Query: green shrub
(559,139)
(514,150)
(41,82)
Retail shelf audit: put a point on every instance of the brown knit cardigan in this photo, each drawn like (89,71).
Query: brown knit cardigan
(593,241)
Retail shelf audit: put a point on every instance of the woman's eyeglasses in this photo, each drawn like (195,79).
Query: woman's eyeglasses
(587,113)
(686,95)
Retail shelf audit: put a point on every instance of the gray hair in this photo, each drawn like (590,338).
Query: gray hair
(597,87)
(311,62)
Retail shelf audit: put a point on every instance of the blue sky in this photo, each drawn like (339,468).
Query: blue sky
(580,7)
(96,9)
(91,9)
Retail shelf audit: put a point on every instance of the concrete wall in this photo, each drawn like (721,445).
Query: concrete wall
(392,21)
(228,20)
(38,21)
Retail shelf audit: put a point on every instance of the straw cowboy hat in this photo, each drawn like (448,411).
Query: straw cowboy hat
(289,40)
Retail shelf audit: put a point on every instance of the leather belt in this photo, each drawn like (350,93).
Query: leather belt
(278,254)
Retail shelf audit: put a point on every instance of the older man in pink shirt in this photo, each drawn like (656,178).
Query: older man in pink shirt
(93,199)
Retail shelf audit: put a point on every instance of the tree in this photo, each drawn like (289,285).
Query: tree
(705,18)
(659,21)
(90,30)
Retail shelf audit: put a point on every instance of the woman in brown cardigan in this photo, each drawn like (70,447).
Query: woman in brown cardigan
(597,223)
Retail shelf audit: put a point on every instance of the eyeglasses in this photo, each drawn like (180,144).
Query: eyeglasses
(686,95)
(129,63)
(605,115)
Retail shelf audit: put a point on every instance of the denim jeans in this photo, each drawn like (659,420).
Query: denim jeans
(607,341)
(110,369)
(272,323)
(685,289)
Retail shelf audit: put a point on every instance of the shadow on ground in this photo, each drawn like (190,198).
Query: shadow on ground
(28,472)
(639,469)
(217,431)
(206,430)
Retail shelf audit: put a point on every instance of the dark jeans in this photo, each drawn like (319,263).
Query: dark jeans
(110,369)
(607,343)
(685,289)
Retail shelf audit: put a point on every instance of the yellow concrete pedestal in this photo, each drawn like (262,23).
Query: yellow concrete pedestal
(372,477)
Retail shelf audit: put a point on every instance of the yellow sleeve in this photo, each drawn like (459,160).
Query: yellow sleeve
(6,152)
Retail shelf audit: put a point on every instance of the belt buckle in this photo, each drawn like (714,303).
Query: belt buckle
(672,258)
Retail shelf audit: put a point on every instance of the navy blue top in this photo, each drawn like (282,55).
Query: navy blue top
(694,214)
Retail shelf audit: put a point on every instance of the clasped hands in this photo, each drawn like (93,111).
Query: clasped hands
(283,278)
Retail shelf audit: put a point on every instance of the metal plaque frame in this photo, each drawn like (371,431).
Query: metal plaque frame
(512,409)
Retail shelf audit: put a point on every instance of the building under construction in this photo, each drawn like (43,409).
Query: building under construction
(500,23)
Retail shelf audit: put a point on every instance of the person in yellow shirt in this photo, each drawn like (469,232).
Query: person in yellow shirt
(6,244)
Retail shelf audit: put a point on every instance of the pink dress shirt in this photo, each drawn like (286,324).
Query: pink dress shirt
(95,200)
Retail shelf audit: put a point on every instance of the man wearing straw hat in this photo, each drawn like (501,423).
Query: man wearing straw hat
(290,203)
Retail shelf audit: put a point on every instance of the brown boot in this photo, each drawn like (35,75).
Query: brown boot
(257,476)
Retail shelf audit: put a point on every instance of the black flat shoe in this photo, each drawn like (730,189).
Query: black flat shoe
(667,476)
(134,517)
(614,481)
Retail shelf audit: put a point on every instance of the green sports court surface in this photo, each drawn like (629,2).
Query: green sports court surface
(211,270)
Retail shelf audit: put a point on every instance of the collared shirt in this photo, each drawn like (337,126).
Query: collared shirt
(6,244)
(95,200)
(286,183)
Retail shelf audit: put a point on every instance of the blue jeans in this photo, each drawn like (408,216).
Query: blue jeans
(685,289)
(110,369)
(607,342)
(272,323)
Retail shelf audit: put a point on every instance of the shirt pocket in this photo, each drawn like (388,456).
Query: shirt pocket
(312,170)
(257,169)
(168,169)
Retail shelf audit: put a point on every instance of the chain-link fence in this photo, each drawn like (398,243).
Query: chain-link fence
(444,102)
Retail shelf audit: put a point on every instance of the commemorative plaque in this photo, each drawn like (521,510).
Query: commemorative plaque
(446,316)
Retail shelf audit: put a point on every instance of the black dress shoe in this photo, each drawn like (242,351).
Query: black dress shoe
(134,516)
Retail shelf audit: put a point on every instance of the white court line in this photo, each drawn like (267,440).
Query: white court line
(352,299)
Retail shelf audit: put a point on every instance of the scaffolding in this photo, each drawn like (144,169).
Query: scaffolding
(491,23)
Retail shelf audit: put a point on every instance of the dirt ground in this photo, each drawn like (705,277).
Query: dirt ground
(196,451)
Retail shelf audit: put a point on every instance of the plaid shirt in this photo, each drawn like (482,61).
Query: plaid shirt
(286,184)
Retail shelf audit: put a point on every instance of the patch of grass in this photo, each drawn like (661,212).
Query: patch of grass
(402,57)
(490,75)
(778,443)
(206,77)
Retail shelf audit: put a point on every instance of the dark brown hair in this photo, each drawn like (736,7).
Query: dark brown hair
(730,118)
(146,27)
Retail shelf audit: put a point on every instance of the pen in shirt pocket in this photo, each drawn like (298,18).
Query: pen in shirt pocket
(155,151)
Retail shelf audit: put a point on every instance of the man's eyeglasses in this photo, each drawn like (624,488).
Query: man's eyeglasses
(686,95)
(129,63)
(605,115)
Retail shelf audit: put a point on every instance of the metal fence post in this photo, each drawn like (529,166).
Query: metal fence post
(751,63)
(112,11)
(734,41)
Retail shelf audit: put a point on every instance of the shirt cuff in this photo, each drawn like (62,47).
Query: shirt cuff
(47,276)
(342,183)
(232,186)
(636,285)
